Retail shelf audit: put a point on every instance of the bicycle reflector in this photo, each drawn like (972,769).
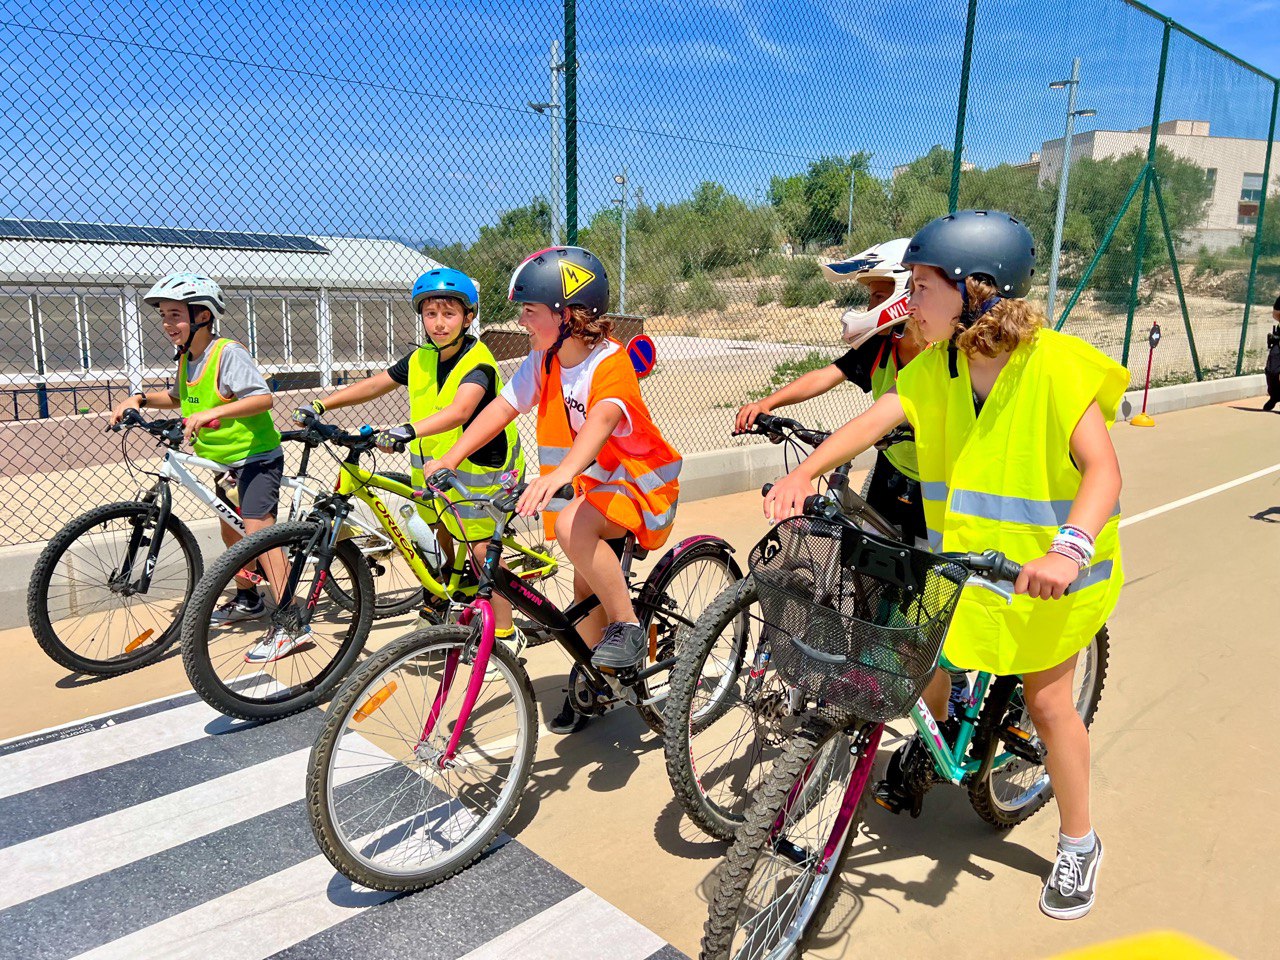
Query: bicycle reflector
(370,706)
(138,641)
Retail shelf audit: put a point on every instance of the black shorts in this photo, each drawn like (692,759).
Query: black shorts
(897,498)
(257,488)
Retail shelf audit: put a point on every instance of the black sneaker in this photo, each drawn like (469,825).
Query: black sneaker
(1070,887)
(236,609)
(622,646)
(568,720)
(1269,405)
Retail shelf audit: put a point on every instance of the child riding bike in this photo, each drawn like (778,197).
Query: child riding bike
(1011,423)
(218,380)
(451,377)
(882,341)
(594,431)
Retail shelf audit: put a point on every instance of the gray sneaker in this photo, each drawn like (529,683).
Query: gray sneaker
(235,610)
(1071,886)
(622,646)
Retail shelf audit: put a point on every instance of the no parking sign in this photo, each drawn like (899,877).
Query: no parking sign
(643,353)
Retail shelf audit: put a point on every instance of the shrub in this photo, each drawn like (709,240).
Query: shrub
(804,285)
(701,295)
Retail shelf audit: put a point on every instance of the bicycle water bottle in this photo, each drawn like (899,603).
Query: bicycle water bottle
(424,538)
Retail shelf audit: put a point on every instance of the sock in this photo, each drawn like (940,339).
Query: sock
(248,595)
(504,634)
(1083,844)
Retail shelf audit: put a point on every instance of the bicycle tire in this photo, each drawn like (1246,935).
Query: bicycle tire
(344,707)
(983,794)
(296,697)
(402,592)
(672,636)
(694,778)
(60,648)
(755,841)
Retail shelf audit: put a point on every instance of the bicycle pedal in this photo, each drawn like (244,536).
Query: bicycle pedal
(888,798)
(1022,744)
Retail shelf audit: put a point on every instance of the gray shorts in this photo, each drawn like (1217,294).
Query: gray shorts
(257,488)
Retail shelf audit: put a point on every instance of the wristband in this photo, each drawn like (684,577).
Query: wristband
(1062,551)
(142,398)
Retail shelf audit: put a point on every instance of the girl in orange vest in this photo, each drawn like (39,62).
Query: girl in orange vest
(594,431)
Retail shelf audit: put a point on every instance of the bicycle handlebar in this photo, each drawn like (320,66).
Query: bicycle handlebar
(505,501)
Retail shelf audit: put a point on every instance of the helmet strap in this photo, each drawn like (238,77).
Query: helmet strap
(192,327)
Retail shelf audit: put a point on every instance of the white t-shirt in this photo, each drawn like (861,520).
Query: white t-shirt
(525,387)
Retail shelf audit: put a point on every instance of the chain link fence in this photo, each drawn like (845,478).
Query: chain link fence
(316,159)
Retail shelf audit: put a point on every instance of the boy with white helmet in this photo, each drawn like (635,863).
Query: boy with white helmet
(881,343)
(218,380)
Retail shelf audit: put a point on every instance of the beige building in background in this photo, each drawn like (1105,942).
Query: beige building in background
(1234,166)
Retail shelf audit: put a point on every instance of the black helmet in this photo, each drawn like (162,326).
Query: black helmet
(562,277)
(984,242)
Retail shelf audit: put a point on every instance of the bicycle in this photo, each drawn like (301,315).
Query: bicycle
(411,777)
(728,713)
(324,563)
(861,622)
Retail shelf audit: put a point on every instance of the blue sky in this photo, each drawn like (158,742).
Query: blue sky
(408,119)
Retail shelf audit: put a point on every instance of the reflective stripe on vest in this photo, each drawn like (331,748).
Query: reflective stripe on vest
(993,506)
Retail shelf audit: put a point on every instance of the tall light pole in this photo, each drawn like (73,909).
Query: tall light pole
(848,237)
(548,110)
(621,180)
(1071,86)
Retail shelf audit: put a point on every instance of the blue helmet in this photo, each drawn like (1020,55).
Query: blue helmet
(446,282)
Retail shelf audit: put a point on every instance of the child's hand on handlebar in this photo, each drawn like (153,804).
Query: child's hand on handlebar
(394,439)
(195,420)
(747,414)
(787,497)
(541,492)
(1048,577)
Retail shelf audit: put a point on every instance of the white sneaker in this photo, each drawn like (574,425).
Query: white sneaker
(277,643)
(515,643)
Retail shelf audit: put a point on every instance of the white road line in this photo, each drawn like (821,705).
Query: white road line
(83,720)
(106,747)
(1156,511)
(60,859)
(595,928)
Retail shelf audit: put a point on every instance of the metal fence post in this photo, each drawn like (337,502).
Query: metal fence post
(132,338)
(571,121)
(1140,244)
(962,106)
(1257,233)
(324,331)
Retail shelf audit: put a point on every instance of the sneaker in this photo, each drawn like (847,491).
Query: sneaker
(235,610)
(1269,405)
(278,642)
(515,643)
(568,720)
(958,699)
(622,646)
(1071,885)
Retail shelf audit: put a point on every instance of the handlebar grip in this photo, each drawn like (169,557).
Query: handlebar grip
(214,424)
(1006,569)
(565,492)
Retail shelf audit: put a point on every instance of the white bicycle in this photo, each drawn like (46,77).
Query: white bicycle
(108,590)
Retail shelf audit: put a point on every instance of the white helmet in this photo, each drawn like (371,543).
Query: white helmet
(881,262)
(193,289)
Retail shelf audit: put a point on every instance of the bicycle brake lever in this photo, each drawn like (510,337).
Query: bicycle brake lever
(995,588)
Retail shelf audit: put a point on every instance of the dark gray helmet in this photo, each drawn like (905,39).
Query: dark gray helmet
(984,242)
(562,277)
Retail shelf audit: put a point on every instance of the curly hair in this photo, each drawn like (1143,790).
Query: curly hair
(591,330)
(1001,329)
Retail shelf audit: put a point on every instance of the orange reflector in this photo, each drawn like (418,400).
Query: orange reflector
(1018,732)
(370,706)
(138,641)
(653,641)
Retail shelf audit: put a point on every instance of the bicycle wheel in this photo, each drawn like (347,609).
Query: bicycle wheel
(383,810)
(668,607)
(226,664)
(773,891)
(554,580)
(396,587)
(727,714)
(88,621)
(1018,789)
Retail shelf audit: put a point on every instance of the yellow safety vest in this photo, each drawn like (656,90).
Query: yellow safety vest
(427,396)
(1005,480)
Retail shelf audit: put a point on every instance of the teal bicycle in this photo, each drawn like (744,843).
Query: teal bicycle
(857,624)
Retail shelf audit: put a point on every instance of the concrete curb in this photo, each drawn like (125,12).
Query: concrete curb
(1183,396)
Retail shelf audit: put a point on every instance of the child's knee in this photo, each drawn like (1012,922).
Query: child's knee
(1050,708)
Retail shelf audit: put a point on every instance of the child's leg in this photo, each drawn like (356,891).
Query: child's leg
(583,531)
(1053,710)
(936,694)
(501,606)
(590,627)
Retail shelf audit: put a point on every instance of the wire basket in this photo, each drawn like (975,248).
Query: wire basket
(855,621)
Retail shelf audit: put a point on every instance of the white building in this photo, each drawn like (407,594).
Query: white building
(1233,165)
(308,308)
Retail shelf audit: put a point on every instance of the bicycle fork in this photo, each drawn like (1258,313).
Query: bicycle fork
(445,758)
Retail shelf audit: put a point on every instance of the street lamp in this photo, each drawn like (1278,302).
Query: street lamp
(548,110)
(621,180)
(1071,87)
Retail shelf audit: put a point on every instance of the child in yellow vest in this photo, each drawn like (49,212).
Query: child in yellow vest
(1011,423)
(451,377)
(594,431)
(218,380)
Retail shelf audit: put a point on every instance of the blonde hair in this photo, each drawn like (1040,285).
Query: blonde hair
(1007,325)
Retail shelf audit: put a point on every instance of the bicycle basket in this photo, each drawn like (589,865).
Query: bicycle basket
(856,621)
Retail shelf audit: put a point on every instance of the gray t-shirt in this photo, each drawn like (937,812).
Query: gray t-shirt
(238,377)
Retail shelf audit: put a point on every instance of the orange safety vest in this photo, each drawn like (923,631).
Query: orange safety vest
(633,481)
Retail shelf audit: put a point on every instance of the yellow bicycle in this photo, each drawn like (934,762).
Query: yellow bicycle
(290,657)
